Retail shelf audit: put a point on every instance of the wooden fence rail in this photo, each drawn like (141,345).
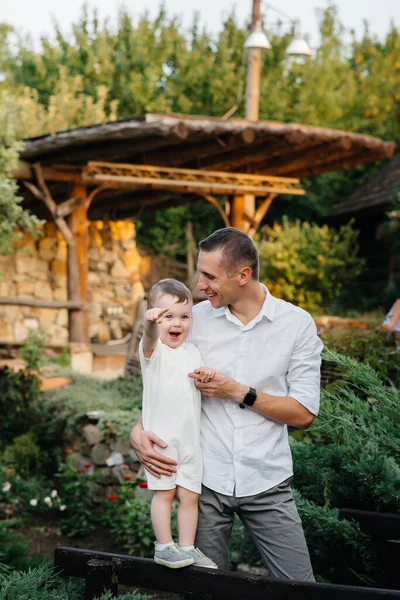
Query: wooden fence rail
(104,571)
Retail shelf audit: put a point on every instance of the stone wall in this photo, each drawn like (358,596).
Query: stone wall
(113,461)
(38,269)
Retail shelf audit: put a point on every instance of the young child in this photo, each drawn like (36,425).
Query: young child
(171,409)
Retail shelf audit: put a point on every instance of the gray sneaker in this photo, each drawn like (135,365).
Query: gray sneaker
(200,559)
(173,557)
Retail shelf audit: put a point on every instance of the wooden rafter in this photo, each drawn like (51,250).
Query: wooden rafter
(116,175)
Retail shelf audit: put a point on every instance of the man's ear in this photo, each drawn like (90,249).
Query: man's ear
(244,275)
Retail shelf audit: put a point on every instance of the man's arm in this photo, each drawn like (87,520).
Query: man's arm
(303,379)
(143,444)
(284,409)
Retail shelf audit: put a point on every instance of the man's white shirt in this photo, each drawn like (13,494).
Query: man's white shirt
(278,352)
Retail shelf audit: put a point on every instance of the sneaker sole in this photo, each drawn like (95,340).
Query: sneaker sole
(205,566)
(174,565)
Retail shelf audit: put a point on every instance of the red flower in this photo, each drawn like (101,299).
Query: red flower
(113,497)
(143,484)
(68,451)
(87,465)
(80,470)
(126,477)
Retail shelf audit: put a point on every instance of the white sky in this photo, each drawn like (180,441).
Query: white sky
(35,16)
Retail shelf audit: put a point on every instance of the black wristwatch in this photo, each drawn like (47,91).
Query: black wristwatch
(249,398)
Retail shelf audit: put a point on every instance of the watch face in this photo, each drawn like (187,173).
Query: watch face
(250,397)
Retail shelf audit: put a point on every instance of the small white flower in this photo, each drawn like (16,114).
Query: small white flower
(63,507)
(6,486)
(47,501)
(54,494)
(33,502)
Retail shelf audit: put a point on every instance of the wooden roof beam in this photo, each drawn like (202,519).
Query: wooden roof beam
(218,145)
(195,181)
(273,146)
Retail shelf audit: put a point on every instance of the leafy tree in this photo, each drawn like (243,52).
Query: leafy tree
(307,264)
(13,218)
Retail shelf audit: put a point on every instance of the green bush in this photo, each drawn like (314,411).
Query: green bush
(80,517)
(19,392)
(377,348)
(353,460)
(13,546)
(307,264)
(43,583)
(23,455)
(32,349)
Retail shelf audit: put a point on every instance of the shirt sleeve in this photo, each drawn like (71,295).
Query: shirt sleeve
(304,372)
(146,362)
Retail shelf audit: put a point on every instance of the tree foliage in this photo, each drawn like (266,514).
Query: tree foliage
(98,72)
(13,219)
(307,264)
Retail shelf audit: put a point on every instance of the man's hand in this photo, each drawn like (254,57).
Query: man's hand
(143,444)
(220,386)
(156,315)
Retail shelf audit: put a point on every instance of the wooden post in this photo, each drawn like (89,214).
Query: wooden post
(242,206)
(253,69)
(100,578)
(78,268)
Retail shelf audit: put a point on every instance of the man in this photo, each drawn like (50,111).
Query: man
(267,356)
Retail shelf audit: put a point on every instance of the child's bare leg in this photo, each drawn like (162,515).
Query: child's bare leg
(187,516)
(160,511)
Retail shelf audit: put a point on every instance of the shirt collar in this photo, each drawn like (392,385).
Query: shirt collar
(267,309)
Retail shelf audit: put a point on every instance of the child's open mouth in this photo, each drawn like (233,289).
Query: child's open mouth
(174,334)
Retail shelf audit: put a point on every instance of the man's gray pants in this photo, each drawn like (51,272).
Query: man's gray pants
(271,519)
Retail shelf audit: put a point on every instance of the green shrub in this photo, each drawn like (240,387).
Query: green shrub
(307,264)
(23,455)
(32,349)
(353,460)
(19,392)
(80,517)
(339,551)
(377,348)
(43,583)
(13,546)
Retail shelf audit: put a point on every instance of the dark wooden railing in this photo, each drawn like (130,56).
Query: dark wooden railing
(104,571)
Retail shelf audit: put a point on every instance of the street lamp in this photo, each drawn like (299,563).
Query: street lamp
(257,41)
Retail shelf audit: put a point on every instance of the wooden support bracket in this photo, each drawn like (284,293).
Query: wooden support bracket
(42,193)
(219,208)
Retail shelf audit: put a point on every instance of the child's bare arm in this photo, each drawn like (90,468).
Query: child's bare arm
(154,316)
(205,374)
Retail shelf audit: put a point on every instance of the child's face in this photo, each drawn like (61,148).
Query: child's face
(175,326)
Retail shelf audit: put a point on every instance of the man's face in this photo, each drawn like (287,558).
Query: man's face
(220,288)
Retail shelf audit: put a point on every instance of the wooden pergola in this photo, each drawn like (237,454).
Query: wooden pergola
(125,167)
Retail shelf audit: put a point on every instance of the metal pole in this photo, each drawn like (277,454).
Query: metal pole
(253,69)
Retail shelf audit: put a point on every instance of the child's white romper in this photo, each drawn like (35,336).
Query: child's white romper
(171,410)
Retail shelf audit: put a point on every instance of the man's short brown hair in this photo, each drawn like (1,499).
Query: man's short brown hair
(169,287)
(238,250)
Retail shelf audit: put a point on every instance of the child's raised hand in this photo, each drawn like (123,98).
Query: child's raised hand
(205,374)
(156,315)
